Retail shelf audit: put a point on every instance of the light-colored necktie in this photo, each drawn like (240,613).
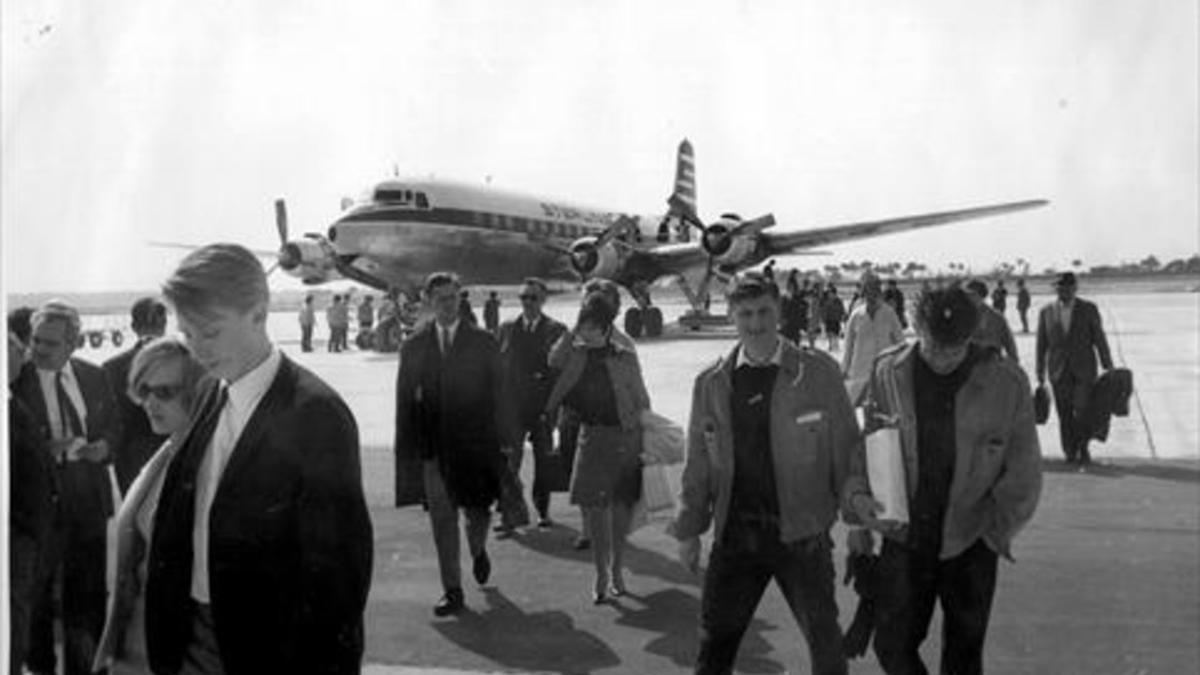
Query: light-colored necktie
(445,341)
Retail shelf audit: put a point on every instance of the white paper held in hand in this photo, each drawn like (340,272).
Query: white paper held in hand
(885,472)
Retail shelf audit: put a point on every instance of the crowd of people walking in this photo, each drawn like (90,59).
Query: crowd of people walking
(243,542)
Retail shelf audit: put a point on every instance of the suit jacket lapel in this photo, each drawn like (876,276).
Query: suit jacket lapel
(255,427)
(29,388)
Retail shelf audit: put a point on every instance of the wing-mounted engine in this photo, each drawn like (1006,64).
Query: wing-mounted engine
(591,258)
(731,242)
(312,259)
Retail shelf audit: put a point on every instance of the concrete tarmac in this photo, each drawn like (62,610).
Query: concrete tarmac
(1107,578)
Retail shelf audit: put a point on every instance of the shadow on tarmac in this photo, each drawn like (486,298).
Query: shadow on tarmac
(540,641)
(637,560)
(1171,471)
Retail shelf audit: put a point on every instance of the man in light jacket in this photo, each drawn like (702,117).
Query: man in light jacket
(972,478)
(768,414)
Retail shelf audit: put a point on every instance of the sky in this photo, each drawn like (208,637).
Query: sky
(127,122)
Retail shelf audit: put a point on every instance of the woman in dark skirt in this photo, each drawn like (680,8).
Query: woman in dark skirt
(602,381)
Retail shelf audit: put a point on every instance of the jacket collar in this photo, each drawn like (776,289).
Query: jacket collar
(789,362)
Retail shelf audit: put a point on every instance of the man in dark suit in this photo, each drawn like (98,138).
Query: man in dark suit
(76,412)
(32,496)
(1070,335)
(261,555)
(138,441)
(525,344)
(450,413)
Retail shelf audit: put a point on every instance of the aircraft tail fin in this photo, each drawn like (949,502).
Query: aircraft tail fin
(683,198)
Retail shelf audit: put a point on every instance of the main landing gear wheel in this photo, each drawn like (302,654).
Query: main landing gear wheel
(117,338)
(95,339)
(633,322)
(653,320)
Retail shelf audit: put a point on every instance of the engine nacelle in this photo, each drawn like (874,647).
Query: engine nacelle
(590,260)
(739,249)
(312,260)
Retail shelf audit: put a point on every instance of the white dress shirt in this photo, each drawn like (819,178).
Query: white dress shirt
(776,357)
(50,396)
(446,335)
(244,396)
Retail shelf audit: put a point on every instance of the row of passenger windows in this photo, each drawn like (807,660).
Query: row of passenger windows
(530,226)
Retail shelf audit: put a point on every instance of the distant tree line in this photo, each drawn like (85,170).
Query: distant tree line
(1019,267)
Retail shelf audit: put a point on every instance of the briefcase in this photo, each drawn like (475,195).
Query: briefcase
(1041,404)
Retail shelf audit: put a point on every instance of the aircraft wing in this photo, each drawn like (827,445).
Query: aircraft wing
(777,243)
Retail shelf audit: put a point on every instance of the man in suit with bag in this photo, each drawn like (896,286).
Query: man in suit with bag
(138,441)
(525,344)
(451,414)
(76,412)
(261,555)
(1070,335)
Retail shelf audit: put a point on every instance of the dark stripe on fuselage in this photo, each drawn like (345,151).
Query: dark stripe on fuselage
(486,220)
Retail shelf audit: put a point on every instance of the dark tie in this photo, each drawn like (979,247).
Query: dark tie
(68,416)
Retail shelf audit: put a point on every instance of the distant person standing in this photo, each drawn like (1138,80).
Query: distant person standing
(138,440)
(331,319)
(966,434)
(525,344)
(491,313)
(894,297)
(769,441)
(464,308)
(793,310)
(451,412)
(992,329)
(1070,336)
(833,312)
(1000,297)
(366,314)
(815,310)
(76,413)
(1023,302)
(872,327)
(342,313)
(308,321)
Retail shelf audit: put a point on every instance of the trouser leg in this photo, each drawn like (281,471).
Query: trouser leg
(84,597)
(598,524)
(733,585)
(40,656)
(541,438)
(476,529)
(906,591)
(22,560)
(966,589)
(804,571)
(1064,406)
(443,516)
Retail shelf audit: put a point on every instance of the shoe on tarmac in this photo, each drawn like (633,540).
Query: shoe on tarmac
(451,603)
(581,544)
(545,523)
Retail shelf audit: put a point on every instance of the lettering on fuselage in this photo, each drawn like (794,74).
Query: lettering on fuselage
(571,213)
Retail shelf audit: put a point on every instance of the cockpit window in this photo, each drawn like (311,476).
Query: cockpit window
(422,202)
(393,196)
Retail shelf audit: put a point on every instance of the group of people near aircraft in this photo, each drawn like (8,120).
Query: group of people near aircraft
(244,543)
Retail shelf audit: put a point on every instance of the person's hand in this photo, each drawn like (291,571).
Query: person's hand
(60,447)
(867,510)
(860,541)
(689,554)
(95,452)
(648,459)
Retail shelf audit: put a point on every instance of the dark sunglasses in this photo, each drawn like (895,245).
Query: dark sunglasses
(162,392)
(528,297)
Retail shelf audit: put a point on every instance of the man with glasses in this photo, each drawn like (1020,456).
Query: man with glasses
(964,419)
(76,411)
(525,344)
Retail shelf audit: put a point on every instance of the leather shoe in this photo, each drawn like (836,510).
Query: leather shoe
(482,568)
(582,544)
(451,603)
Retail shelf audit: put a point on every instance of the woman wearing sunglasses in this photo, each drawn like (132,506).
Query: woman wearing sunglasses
(162,379)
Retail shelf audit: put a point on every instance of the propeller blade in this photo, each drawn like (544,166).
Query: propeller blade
(281,221)
(272,268)
(617,227)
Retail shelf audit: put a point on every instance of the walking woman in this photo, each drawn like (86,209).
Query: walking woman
(601,380)
(163,379)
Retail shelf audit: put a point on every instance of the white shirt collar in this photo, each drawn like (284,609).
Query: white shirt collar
(248,390)
(775,360)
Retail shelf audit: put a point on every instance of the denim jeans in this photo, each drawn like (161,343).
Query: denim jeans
(739,569)
(909,583)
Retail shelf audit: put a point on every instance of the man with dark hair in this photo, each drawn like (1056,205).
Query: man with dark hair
(964,422)
(992,328)
(137,441)
(1000,298)
(308,320)
(1070,336)
(893,296)
(19,323)
(525,344)
(451,414)
(75,411)
(769,438)
(261,555)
